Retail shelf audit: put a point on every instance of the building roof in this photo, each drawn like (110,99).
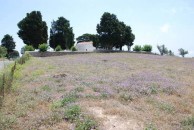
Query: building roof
(90,42)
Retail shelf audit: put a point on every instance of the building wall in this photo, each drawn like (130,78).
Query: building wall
(86,46)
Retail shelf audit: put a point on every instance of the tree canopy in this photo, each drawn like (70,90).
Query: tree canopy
(183,52)
(114,33)
(32,30)
(8,43)
(61,34)
(162,49)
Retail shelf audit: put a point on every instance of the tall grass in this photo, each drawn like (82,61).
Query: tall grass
(6,78)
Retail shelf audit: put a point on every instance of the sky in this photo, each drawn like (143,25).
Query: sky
(154,22)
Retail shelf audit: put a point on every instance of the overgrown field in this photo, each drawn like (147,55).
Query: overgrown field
(101,91)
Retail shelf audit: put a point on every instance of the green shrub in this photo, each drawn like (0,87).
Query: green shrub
(104,95)
(43,47)
(6,121)
(188,123)
(24,58)
(55,105)
(46,88)
(137,48)
(58,48)
(147,48)
(73,48)
(79,89)
(96,89)
(68,99)
(29,48)
(126,97)
(85,124)
(153,89)
(150,127)
(72,113)
(3,51)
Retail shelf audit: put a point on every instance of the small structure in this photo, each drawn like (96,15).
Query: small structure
(85,46)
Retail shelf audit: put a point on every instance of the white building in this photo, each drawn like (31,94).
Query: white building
(85,46)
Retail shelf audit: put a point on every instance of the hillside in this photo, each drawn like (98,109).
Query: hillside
(101,91)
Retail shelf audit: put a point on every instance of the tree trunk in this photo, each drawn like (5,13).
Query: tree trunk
(129,48)
(120,48)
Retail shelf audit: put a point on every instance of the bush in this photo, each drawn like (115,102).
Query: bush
(43,47)
(137,48)
(73,48)
(58,48)
(126,97)
(29,48)
(150,127)
(23,59)
(86,124)
(72,113)
(147,48)
(3,51)
(188,123)
(68,99)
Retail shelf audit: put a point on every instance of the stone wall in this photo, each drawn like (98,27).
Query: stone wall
(49,54)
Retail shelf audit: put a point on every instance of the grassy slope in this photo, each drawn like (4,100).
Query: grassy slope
(119,91)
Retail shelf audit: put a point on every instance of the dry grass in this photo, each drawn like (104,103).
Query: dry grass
(120,91)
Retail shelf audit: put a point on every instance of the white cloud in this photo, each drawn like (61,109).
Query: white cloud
(165,28)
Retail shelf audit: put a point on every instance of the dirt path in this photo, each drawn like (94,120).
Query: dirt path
(113,122)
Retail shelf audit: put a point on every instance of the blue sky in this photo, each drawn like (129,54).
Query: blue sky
(154,22)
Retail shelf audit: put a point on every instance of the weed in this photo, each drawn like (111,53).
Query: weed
(150,127)
(61,89)
(188,123)
(55,105)
(162,105)
(46,88)
(50,67)
(6,121)
(126,97)
(95,89)
(24,58)
(72,113)
(69,99)
(153,89)
(6,81)
(91,96)
(104,95)
(165,107)
(37,73)
(79,89)
(85,124)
